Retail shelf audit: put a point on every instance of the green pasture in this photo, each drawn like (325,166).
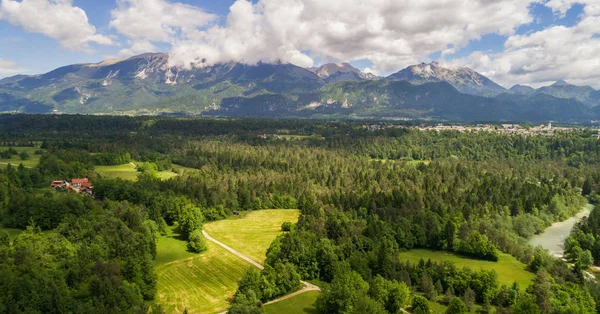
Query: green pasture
(300,304)
(508,268)
(15,160)
(252,233)
(129,172)
(200,283)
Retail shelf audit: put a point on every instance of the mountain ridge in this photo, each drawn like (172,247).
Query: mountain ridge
(148,84)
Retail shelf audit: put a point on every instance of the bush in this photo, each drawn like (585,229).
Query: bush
(246,303)
(420,305)
(286,226)
(457,306)
(24,156)
(196,242)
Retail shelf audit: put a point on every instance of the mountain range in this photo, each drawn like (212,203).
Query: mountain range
(147,84)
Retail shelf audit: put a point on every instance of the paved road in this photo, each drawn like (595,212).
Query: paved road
(307,286)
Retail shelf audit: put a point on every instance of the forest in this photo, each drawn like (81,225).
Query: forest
(365,196)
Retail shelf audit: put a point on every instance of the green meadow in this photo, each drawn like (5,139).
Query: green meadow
(508,268)
(16,160)
(301,304)
(252,233)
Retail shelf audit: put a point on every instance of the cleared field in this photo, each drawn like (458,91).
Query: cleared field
(128,172)
(300,304)
(200,283)
(252,233)
(508,268)
(16,160)
(408,162)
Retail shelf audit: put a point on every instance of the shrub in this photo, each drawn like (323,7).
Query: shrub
(457,306)
(24,156)
(196,242)
(420,305)
(286,226)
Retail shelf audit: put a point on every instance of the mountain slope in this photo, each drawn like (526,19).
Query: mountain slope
(384,99)
(147,84)
(522,89)
(562,89)
(465,80)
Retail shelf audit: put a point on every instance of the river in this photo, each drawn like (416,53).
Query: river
(553,238)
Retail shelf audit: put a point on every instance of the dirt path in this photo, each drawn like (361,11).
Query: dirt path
(236,253)
(307,285)
(6,163)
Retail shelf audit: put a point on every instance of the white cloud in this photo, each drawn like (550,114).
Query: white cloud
(390,33)
(146,21)
(57,19)
(548,55)
(8,67)
(136,48)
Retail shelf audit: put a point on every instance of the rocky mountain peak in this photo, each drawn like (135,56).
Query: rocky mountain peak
(333,72)
(561,83)
(463,79)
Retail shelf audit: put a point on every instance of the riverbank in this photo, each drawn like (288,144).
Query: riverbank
(553,238)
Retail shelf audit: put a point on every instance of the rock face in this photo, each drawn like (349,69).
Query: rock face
(464,79)
(333,73)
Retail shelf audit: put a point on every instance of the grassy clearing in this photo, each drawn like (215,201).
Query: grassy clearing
(200,283)
(15,160)
(251,233)
(125,172)
(437,308)
(408,162)
(128,172)
(509,269)
(300,304)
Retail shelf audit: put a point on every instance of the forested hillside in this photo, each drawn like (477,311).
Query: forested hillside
(365,197)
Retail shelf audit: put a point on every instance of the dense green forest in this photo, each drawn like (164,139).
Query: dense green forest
(365,196)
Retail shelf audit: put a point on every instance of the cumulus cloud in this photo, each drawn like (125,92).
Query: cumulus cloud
(390,33)
(57,19)
(136,48)
(548,55)
(8,67)
(147,21)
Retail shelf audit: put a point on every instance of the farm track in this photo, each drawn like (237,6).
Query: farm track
(307,286)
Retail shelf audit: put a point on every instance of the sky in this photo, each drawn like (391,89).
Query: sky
(529,42)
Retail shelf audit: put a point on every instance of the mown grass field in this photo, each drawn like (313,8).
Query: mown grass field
(16,160)
(508,268)
(300,304)
(129,172)
(252,233)
(205,283)
(200,283)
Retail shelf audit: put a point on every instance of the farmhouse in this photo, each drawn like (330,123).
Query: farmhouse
(59,184)
(80,183)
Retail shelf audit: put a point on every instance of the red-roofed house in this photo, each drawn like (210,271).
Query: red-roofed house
(79,183)
(58,184)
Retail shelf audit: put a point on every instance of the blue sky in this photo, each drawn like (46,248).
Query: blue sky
(30,49)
